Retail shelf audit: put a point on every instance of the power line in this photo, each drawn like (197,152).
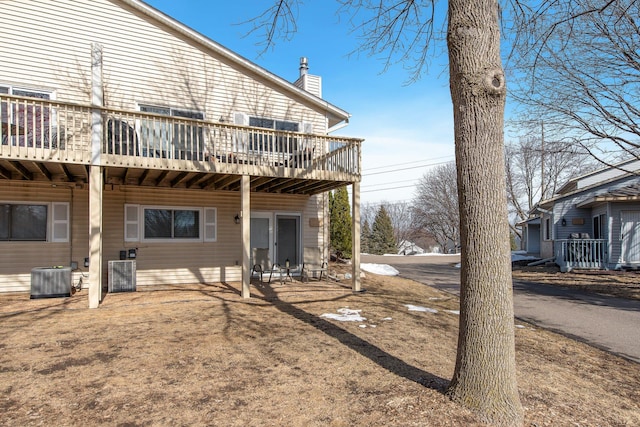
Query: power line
(408,163)
(403,169)
(393,182)
(384,189)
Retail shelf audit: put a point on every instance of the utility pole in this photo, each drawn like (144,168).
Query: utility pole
(542,182)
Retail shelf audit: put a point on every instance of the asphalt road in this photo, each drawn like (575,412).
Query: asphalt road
(612,324)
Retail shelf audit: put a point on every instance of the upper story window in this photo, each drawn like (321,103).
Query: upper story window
(269,142)
(171,139)
(28,123)
(285,125)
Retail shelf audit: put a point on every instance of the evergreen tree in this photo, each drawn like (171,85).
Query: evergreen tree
(340,222)
(365,237)
(382,239)
(514,244)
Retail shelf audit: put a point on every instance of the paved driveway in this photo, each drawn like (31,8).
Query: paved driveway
(612,324)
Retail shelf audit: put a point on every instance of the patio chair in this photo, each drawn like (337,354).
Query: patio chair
(262,264)
(314,264)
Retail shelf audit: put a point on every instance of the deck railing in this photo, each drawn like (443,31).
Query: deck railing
(38,129)
(581,253)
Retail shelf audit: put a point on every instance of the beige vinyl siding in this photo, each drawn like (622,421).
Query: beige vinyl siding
(175,262)
(157,262)
(143,63)
(17,259)
(198,261)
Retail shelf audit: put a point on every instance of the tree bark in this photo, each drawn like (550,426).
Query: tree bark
(485,374)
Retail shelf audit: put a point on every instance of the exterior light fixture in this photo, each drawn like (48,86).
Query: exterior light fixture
(563,222)
(236,219)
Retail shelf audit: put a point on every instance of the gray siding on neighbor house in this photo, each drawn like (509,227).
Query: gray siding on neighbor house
(567,208)
(607,174)
(616,247)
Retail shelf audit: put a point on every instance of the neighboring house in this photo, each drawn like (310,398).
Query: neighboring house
(127,134)
(592,222)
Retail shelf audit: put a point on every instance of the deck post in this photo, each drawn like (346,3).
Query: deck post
(95,236)
(355,236)
(95,180)
(245,214)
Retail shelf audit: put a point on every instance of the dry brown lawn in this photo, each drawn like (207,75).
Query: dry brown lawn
(202,355)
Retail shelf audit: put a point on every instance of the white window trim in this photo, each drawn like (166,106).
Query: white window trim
(210,237)
(133,220)
(65,223)
(50,236)
(51,93)
(172,240)
(547,223)
(134,216)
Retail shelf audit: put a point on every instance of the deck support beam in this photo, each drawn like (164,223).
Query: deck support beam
(245,217)
(355,236)
(95,236)
(96,180)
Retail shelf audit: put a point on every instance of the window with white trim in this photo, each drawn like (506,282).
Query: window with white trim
(547,228)
(167,223)
(281,143)
(36,222)
(31,124)
(600,226)
(171,138)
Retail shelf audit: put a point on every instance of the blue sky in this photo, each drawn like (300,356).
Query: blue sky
(407,128)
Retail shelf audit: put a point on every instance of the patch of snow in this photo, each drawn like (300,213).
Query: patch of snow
(515,256)
(419,308)
(435,254)
(520,326)
(381,269)
(453,312)
(521,256)
(345,315)
(387,318)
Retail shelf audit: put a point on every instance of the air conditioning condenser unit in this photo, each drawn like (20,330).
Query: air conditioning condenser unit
(122,276)
(50,282)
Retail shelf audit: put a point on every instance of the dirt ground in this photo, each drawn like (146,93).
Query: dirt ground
(202,355)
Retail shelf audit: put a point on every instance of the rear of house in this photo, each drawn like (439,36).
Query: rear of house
(125,134)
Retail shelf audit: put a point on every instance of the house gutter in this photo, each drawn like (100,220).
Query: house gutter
(544,211)
(338,126)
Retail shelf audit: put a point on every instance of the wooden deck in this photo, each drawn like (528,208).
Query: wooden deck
(43,140)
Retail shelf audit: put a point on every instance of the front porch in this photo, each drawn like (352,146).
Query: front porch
(572,254)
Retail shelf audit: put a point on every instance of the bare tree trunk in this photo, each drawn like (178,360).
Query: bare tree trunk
(485,375)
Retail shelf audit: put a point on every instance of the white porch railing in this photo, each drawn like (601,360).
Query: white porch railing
(581,253)
(39,129)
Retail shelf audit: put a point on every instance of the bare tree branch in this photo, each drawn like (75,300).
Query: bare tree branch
(276,22)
